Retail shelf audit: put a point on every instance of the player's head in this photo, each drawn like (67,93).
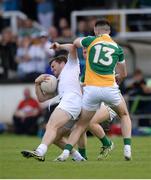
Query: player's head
(57,64)
(102,27)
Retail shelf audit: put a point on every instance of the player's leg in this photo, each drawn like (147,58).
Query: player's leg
(58,118)
(82,144)
(123,113)
(61,141)
(101,115)
(80,127)
(113,97)
(90,104)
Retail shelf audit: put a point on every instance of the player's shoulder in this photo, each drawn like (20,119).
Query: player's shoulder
(86,41)
(89,37)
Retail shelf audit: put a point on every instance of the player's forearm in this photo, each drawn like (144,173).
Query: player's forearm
(71,49)
(67,47)
(40,96)
(121,70)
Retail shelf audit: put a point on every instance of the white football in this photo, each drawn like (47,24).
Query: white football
(50,85)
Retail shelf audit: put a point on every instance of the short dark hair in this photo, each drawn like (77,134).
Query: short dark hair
(102,22)
(58,59)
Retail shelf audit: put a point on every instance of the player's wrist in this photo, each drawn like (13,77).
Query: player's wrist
(37,83)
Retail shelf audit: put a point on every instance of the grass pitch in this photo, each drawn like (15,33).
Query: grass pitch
(13,165)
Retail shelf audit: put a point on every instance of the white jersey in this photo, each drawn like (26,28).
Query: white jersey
(69,78)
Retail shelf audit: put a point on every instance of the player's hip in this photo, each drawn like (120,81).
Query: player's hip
(71,103)
(93,96)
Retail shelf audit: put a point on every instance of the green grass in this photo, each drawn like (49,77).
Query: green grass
(13,165)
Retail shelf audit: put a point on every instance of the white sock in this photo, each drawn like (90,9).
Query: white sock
(66,152)
(128,147)
(127,150)
(42,149)
(76,155)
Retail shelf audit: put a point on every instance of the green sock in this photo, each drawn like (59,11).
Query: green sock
(82,151)
(105,141)
(68,147)
(127,141)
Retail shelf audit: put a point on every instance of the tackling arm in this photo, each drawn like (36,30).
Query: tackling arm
(68,47)
(77,42)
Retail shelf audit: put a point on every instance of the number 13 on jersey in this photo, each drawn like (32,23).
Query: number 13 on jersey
(107,53)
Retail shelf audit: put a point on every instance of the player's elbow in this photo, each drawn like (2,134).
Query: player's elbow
(76,43)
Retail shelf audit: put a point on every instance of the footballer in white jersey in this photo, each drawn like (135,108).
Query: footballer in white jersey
(67,71)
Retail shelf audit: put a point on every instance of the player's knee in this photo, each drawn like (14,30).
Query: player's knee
(80,127)
(124,114)
(92,125)
(50,127)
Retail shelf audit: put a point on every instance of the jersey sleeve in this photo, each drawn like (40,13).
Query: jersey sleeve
(121,55)
(85,42)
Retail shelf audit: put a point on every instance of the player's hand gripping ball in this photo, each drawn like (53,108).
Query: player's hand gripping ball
(49,85)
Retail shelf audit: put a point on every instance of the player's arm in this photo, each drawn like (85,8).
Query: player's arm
(121,67)
(83,42)
(39,93)
(121,72)
(68,47)
(77,42)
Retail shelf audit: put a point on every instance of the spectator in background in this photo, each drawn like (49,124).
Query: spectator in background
(66,35)
(22,57)
(26,115)
(38,59)
(82,28)
(91,22)
(63,24)
(45,43)
(45,10)
(138,85)
(7,53)
(139,90)
(27,28)
(53,33)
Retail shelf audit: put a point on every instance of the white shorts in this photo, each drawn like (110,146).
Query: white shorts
(93,96)
(71,103)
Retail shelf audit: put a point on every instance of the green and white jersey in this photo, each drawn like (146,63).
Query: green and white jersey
(102,56)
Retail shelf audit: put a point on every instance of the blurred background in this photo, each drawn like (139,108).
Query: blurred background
(27,29)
